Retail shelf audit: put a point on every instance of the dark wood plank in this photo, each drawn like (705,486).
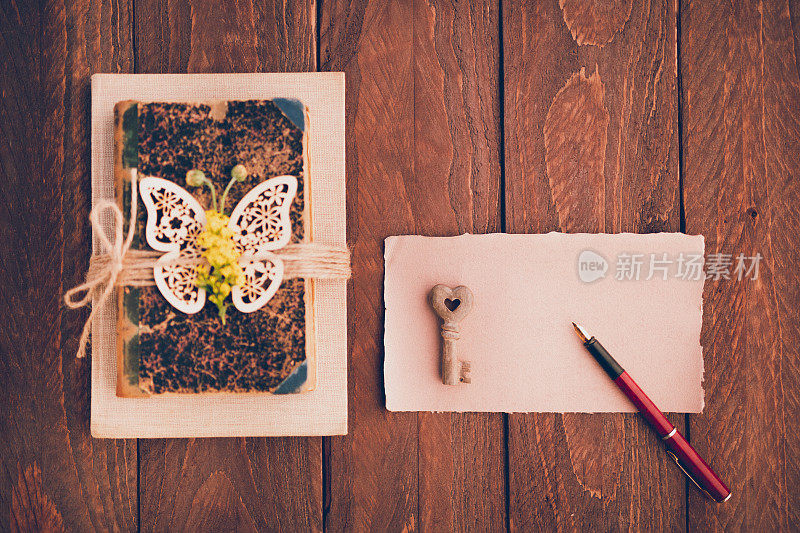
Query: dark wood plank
(231,484)
(372,472)
(54,475)
(741,116)
(591,145)
(457,161)
(423,121)
(240,36)
(264,484)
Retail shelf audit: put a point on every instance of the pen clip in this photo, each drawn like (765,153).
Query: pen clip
(675,457)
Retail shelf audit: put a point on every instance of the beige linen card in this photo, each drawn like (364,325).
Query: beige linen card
(322,411)
(523,351)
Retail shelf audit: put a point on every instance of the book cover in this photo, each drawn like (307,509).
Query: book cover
(162,350)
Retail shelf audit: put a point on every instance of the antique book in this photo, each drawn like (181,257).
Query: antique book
(161,349)
(185,373)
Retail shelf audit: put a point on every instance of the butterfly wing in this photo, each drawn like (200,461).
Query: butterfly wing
(174,220)
(262,278)
(260,223)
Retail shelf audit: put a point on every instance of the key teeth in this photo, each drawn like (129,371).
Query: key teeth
(465,368)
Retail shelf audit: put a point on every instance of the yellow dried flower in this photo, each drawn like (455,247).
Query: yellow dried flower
(222,272)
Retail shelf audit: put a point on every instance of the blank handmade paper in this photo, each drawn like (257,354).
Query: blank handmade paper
(640,295)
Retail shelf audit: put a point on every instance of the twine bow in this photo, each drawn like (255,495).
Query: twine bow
(117,265)
(115,251)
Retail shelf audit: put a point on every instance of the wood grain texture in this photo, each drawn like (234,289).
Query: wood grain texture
(741,137)
(575,142)
(595,153)
(423,122)
(232,484)
(595,23)
(424,156)
(264,484)
(53,473)
(232,36)
(31,508)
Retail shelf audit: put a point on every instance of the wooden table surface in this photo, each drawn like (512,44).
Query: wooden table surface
(642,117)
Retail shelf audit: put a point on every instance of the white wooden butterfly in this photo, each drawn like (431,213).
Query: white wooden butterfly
(260,223)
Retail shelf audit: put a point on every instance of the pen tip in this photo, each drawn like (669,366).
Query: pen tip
(581,332)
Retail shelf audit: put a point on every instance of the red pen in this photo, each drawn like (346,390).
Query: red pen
(677,446)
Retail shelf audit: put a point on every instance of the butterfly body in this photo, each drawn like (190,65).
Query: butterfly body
(260,223)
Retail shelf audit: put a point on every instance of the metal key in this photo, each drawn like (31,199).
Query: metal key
(452,305)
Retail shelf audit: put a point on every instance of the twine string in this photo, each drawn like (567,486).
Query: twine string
(117,265)
(105,281)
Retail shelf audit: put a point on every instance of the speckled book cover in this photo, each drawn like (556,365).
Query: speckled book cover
(162,350)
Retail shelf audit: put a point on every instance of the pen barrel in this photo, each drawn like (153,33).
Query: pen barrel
(696,468)
(680,449)
(645,405)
